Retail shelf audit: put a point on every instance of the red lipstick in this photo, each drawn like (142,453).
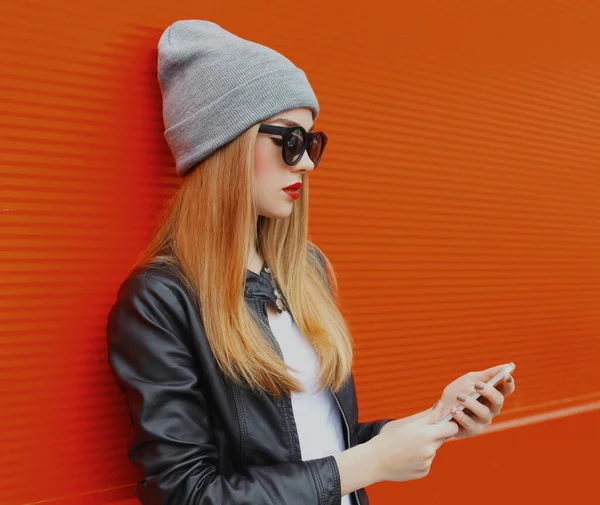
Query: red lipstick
(293,191)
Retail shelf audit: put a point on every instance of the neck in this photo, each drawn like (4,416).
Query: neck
(255,261)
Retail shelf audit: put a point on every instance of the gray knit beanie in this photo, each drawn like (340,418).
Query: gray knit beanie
(215,85)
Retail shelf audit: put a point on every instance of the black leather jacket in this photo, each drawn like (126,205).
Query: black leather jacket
(198,438)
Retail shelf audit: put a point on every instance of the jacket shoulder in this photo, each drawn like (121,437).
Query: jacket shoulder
(154,292)
(318,258)
(144,277)
(315,253)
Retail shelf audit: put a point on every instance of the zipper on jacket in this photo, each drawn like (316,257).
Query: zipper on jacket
(263,306)
(285,400)
(347,436)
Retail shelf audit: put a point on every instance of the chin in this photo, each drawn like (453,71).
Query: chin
(281,213)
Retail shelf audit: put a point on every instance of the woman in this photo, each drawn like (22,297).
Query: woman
(226,337)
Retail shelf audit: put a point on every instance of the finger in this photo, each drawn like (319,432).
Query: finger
(444,431)
(470,414)
(495,397)
(486,375)
(483,413)
(484,400)
(437,411)
(505,387)
(468,423)
(433,415)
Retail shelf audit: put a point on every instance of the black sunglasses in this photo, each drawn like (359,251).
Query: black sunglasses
(296,140)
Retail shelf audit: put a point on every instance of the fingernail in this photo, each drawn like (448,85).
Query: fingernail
(509,379)
(479,385)
(461,397)
(455,410)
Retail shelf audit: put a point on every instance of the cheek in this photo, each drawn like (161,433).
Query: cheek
(261,163)
(267,168)
(261,177)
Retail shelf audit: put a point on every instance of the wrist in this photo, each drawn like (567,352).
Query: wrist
(358,467)
(371,454)
(390,425)
(396,423)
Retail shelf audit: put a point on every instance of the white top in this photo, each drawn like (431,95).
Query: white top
(318,419)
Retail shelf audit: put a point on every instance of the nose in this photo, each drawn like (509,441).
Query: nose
(305,164)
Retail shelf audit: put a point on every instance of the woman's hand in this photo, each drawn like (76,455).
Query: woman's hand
(405,450)
(478,413)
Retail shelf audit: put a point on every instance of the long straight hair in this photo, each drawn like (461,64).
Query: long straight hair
(204,235)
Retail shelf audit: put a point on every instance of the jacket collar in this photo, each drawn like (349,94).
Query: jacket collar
(259,285)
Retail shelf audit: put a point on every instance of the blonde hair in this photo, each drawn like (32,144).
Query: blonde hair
(204,235)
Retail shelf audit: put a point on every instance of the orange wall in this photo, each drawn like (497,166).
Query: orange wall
(458,201)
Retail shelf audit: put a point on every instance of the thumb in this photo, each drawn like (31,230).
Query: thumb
(434,413)
(486,375)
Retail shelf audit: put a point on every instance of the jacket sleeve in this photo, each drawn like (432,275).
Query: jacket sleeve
(173,447)
(367,430)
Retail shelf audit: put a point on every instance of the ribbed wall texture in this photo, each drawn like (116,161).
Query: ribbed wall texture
(458,201)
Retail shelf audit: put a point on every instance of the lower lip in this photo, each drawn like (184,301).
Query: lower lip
(294,194)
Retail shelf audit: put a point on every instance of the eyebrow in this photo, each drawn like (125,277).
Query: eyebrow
(288,122)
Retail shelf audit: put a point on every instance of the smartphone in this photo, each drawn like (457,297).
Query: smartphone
(492,382)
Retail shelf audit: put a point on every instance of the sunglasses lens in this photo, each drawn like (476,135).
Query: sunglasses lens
(294,146)
(315,148)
